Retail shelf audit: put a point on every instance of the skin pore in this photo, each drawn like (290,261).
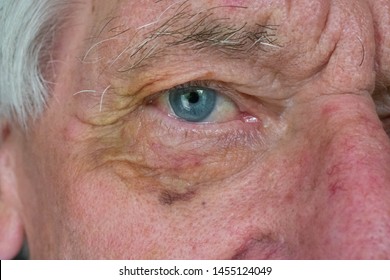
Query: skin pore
(295,163)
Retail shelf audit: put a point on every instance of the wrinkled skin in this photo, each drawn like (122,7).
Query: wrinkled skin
(309,178)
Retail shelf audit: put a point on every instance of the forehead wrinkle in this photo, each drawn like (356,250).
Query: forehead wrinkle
(180,27)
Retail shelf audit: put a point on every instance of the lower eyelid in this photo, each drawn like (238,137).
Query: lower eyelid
(243,128)
(160,111)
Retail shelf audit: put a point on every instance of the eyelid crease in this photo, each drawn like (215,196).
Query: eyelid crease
(216,86)
(195,83)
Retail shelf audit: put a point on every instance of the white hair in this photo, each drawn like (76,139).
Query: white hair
(27,29)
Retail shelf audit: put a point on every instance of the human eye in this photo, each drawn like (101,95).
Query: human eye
(198,102)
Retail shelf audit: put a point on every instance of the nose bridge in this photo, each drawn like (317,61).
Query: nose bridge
(353,183)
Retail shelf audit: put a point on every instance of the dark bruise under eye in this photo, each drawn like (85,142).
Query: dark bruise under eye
(192,103)
(170,197)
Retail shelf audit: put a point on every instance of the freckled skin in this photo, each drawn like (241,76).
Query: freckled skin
(310,180)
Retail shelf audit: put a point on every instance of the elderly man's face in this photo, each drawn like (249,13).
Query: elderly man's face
(212,129)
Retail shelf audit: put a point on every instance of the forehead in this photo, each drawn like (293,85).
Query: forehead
(149,11)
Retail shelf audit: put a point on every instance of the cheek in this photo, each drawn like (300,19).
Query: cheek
(107,221)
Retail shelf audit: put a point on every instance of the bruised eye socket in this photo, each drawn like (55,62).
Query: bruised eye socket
(192,103)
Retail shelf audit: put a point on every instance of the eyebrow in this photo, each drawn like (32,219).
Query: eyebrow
(197,31)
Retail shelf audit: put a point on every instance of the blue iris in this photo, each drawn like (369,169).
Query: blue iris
(193,104)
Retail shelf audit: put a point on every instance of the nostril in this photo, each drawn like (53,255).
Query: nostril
(386,125)
(381,98)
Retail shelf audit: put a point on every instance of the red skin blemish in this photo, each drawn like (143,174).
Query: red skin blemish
(335,188)
(330,110)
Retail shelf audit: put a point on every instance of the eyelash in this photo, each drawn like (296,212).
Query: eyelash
(181,132)
(226,109)
(231,123)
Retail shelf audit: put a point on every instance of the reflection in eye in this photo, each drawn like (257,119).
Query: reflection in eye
(193,104)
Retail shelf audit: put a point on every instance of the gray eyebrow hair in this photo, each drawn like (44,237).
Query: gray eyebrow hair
(201,31)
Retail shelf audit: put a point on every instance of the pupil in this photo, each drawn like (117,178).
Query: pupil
(193,97)
(192,104)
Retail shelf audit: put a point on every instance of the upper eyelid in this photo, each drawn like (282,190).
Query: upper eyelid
(219,87)
(194,83)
